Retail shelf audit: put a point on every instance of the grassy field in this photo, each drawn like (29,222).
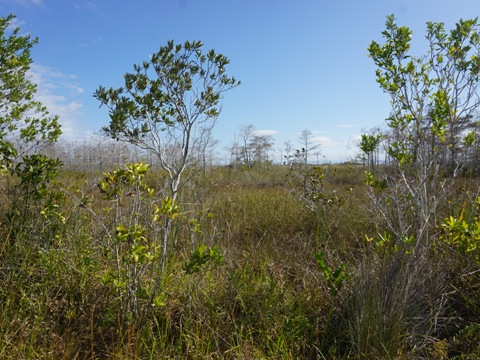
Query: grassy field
(257,268)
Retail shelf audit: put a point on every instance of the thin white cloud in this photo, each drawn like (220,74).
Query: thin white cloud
(77,89)
(95,40)
(87,6)
(50,84)
(50,72)
(326,141)
(265,132)
(28,2)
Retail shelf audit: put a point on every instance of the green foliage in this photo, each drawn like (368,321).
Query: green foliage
(25,129)
(169,208)
(35,173)
(23,120)
(113,183)
(463,235)
(433,102)
(433,95)
(167,106)
(372,181)
(36,206)
(100,283)
(465,344)
(387,244)
(335,277)
(169,103)
(470,138)
(135,254)
(308,184)
(99,288)
(201,257)
(369,144)
(181,73)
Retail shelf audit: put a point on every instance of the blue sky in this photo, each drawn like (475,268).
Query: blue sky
(303,63)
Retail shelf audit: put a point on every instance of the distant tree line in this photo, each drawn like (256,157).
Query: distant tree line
(252,148)
(457,154)
(98,154)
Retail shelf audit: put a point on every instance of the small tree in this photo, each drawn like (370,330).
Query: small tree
(246,134)
(26,130)
(288,148)
(260,145)
(251,147)
(433,97)
(306,141)
(25,124)
(369,144)
(204,152)
(168,104)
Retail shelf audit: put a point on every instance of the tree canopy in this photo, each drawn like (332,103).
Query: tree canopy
(433,96)
(25,124)
(169,103)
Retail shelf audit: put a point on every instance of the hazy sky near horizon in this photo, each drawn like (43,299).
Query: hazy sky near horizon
(303,63)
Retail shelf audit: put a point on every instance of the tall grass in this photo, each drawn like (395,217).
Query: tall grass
(268,298)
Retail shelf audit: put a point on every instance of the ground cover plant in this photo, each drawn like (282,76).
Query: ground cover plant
(252,273)
(263,261)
